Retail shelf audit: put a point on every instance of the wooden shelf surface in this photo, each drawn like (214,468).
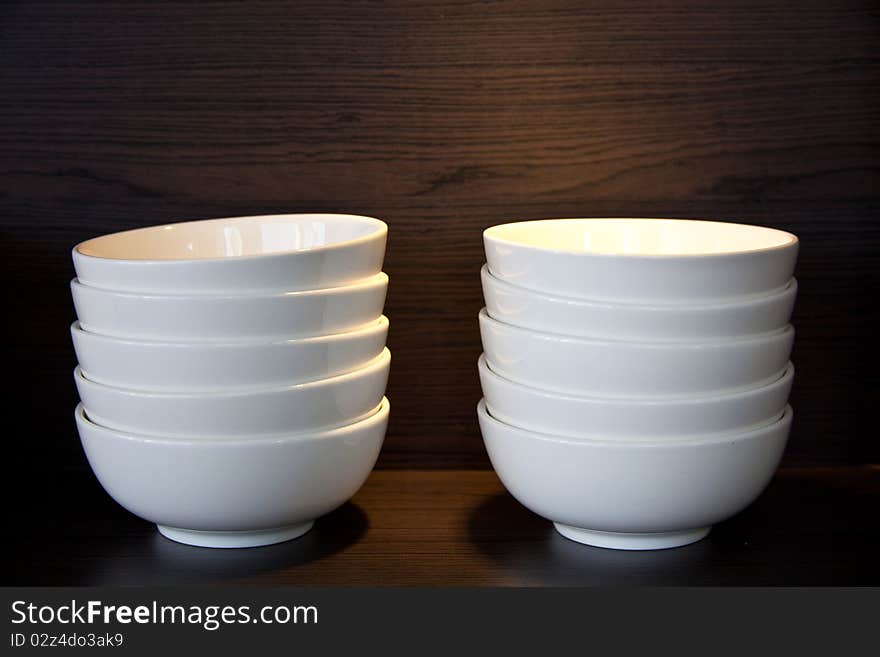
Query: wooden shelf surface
(812,526)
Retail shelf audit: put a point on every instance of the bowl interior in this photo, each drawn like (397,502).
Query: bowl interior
(233,237)
(645,237)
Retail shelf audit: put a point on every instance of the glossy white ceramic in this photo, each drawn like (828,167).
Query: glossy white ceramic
(229,317)
(641,260)
(239,413)
(234,493)
(236,254)
(204,366)
(617,368)
(634,495)
(636,418)
(628,321)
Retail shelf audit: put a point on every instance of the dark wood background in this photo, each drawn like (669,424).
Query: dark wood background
(442,118)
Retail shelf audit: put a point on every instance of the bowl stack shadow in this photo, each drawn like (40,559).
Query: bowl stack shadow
(232,372)
(636,372)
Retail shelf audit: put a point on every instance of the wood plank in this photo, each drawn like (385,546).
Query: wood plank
(460,528)
(444,118)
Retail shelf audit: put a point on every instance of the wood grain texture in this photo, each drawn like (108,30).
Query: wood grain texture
(444,118)
(458,528)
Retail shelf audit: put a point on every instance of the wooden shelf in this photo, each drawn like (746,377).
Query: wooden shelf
(812,526)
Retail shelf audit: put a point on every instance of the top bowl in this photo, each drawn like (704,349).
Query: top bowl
(238,254)
(656,260)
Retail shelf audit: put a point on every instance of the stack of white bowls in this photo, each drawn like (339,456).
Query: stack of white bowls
(232,372)
(635,372)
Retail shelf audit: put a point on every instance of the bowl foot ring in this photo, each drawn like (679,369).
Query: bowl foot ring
(624,541)
(235,539)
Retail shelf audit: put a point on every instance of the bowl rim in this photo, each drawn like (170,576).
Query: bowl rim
(785,377)
(792,240)
(765,338)
(379,279)
(376,326)
(741,301)
(756,433)
(376,416)
(379,363)
(381,229)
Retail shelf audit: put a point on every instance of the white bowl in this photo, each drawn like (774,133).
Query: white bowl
(632,419)
(641,260)
(234,493)
(634,495)
(617,368)
(290,409)
(228,317)
(237,254)
(628,321)
(203,366)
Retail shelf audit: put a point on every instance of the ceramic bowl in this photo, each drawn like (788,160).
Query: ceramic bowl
(234,493)
(235,255)
(635,418)
(204,366)
(641,260)
(244,412)
(229,317)
(628,321)
(634,495)
(617,368)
